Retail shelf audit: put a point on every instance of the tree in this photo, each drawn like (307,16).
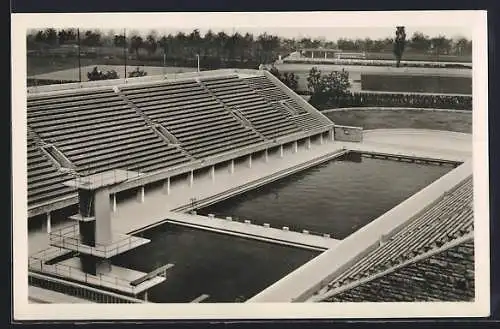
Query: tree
(420,42)
(66,36)
(327,88)
(91,38)
(136,43)
(399,44)
(119,41)
(461,46)
(163,43)
(313,80)
(441,45)
(289,78)
(151,44)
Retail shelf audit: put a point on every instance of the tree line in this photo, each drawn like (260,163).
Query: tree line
(263,48)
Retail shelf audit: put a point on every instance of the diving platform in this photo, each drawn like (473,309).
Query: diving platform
(69,238)
(99,180)
(120,279)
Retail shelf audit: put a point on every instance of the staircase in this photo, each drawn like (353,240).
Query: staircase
(158,129)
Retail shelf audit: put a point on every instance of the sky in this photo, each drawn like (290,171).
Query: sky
(331,33)
(327,25)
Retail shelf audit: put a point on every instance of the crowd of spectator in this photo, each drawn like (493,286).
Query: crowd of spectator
(355,99)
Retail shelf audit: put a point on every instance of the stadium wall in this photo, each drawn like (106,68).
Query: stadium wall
(376,108)
(348,134)
(416,83)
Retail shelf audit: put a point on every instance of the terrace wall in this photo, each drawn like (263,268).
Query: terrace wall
(414,83)
(348,134)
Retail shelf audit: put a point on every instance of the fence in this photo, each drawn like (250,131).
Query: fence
(78,290)
(69,238)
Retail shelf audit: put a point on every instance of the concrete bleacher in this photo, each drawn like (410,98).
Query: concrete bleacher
(444,276)
(44,178)
(153,126)
(198,120)
(238,96)
(283,103)
(98,131)
(445,221)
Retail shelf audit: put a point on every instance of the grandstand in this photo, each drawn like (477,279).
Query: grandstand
(157,129)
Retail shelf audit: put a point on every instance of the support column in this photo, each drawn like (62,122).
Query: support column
(321,139)
(140,194)
(231,167)
(166,186)
(325,54)
(212,173)
(250,161)
(114,202)
(308,143)
(49,223)
(191,178)
(295,147)
(281,150)
(266,156)
(146,296)
(332,134)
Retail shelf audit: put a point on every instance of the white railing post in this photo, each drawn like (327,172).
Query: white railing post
(49,223)
(191,178)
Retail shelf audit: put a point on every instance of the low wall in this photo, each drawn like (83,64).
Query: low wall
(348,134)
(417,83)
(376,108)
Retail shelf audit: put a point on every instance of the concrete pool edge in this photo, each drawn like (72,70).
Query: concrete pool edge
(300,284)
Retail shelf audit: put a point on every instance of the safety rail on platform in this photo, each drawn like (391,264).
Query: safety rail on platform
(71,272)
(79,290)
(69,238)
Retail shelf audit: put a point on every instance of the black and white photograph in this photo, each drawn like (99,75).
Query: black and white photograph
(250,165)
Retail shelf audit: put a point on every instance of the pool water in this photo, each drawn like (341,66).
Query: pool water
(336,197)
(227,268)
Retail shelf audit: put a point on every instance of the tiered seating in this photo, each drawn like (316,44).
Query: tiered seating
(266,88)
(307,121)
(445,276)
(193,116)
(291,103)
(448,219)
(233,92)
(281,101)
(98,131)
(259,82)
(44,179)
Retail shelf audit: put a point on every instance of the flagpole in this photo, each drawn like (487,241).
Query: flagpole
(79,60)
(125,51)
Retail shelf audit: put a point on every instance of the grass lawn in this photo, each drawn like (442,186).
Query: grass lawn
(380,119)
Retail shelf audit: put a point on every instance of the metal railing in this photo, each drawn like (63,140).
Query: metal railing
(71,272)
(69,238)
(78,290)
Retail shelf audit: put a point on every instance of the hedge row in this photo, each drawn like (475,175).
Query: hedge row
(365,62)
(325,101)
